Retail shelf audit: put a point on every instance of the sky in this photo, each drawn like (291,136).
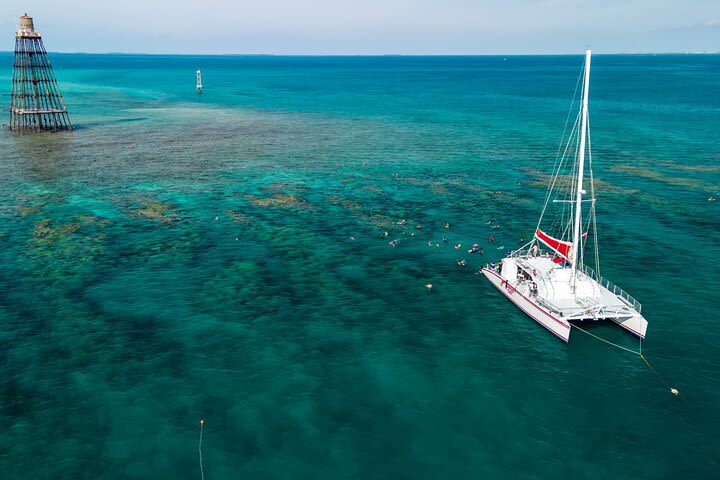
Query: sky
(368,27)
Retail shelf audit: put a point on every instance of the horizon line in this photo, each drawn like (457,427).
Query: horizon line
(379,54)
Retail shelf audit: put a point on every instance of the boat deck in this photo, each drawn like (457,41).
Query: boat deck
(543,289)
(554,289)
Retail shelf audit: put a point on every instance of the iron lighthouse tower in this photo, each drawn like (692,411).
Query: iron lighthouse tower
(36,102)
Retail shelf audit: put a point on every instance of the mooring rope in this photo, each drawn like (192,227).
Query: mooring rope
(672,390)
(606,341)
(202,474)
(638,352)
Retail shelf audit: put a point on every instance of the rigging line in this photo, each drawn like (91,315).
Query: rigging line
(593,209)
(571,186)
(563,181)
(521,248)
(556,165)
(567,119)
(584,241)
(555,177)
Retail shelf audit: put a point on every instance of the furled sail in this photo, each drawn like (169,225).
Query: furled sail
(562,248)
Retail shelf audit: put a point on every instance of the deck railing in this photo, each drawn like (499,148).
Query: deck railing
(626,297)
(631,302)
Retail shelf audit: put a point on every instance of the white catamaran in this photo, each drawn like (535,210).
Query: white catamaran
(554,286)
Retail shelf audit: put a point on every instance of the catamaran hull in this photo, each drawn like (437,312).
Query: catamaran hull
(635,324)
(557,326)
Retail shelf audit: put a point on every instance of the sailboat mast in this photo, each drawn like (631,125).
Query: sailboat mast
(581,171)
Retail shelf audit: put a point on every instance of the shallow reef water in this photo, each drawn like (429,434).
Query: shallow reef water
(226,257)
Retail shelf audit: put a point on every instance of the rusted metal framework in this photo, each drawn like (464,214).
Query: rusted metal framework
(36,103)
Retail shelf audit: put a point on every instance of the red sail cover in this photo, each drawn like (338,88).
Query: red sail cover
(560,247)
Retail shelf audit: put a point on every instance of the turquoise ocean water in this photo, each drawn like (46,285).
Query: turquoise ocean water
(128,312)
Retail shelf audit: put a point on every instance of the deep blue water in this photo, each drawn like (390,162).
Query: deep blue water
(128,312)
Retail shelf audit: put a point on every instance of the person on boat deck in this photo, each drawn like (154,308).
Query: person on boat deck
(534,250)
(533,289)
